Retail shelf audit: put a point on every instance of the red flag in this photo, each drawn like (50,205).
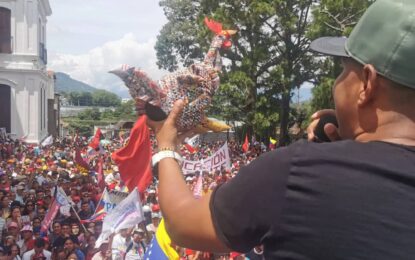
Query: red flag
(95,141)
(49,217)
(100,174)
(80,162)
(190,148)
(245,146)
(134,159)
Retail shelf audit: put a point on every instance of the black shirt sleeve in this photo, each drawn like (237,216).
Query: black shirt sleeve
(246,208)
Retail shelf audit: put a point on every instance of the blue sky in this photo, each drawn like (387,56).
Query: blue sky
(88,38)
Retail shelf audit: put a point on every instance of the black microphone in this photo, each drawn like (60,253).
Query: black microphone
(320,135)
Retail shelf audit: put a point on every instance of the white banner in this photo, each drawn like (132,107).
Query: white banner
(126,214)
(3,133)
(61,197)
(111,199)
(47,141)
(214,162)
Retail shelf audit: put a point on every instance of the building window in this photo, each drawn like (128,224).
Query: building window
(5,31)
(45,102)
(41,109)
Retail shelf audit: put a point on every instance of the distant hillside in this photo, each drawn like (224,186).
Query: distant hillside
(64,83)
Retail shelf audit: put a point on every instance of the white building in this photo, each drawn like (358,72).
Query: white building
(25,86)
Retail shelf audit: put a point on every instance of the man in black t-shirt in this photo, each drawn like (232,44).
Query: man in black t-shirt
(350,199)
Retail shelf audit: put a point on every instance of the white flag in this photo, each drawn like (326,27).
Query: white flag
(194,141)
(61,197)
(111,199)
(47,141)
(126,214)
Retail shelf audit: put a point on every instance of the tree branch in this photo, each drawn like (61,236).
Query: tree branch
(333,27)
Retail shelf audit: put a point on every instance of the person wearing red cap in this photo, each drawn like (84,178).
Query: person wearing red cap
(155,208)
(27,241)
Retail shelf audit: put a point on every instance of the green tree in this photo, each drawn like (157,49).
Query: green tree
(269,58)
(82,128)
(85,99)
(105,99)
(332,18)
(79,98)
(126,111)
(74,97)
(90,114)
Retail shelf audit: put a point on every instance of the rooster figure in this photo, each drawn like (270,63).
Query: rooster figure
(196,84)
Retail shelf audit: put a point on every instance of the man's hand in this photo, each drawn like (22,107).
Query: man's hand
(166,131)
(330,129)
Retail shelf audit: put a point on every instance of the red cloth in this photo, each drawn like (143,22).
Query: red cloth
(245,146)
(50,216)
(95,141)
(134,159)
(190,148)
(80,163)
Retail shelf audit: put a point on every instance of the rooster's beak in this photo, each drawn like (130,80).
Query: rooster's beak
(229,32)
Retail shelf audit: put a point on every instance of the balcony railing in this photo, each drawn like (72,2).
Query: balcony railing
(5,44)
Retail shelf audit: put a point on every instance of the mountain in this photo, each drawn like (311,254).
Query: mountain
(64,83)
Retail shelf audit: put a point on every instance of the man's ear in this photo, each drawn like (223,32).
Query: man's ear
(369,86)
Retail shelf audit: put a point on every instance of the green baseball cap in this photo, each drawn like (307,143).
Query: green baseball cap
(384,37)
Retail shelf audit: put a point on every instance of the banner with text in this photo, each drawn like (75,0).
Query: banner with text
(126,214)
(110,199)
(215,162)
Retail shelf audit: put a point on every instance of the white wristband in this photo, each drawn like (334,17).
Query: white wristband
(166,154)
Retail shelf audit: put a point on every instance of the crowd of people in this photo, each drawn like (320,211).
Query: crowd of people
(29,173)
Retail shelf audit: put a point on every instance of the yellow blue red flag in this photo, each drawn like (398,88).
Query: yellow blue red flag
(161,247)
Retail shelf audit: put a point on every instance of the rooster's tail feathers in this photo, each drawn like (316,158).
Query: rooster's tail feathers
(142,89)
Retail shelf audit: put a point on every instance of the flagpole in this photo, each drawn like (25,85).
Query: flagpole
(100,199)
(111,238)
(76,213)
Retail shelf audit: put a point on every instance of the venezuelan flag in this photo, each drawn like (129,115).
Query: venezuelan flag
(160,247)
(272,141)
(98,216)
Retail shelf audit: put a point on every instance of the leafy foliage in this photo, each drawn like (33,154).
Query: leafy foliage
(85,121)
(100,98)
(332,18)
(269,58)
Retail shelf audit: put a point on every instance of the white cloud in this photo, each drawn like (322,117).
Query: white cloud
(93,66)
